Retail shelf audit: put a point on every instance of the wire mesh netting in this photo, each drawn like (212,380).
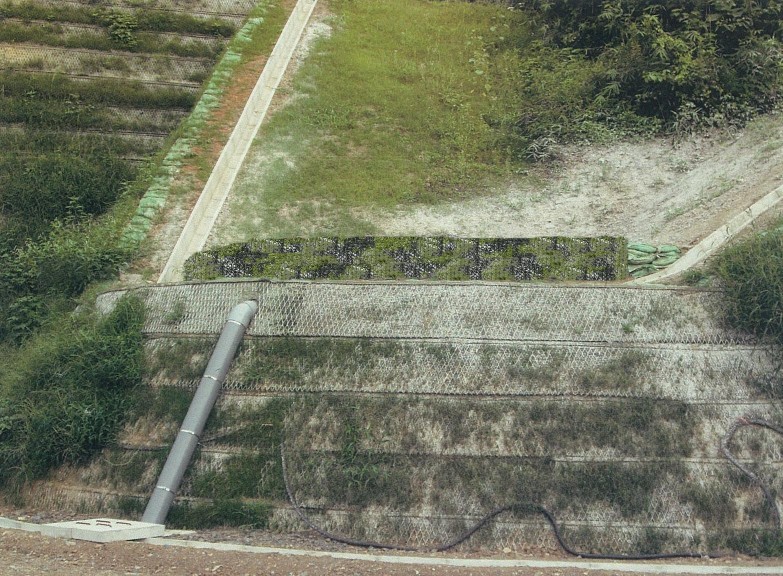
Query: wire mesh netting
(481,311)
(406,412)
(322,365)
(185,72)
(199,7)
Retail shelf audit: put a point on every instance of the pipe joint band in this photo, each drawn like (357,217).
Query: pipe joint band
(164,488)
(189,432)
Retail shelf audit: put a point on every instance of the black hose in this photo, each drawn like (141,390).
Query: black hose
(724,448)
(523,508)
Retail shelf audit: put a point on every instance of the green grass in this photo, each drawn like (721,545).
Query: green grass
(406,102)
(65,394)
(144,42)
(145,19)
(224,512)
(106,91)
(751,276)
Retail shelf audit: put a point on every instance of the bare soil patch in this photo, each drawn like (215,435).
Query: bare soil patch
(659,191)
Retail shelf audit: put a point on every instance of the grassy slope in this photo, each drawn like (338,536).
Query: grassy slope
(50,365)
(407,101)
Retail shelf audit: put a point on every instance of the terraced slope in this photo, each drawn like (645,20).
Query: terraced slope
(407,411)
(91,92)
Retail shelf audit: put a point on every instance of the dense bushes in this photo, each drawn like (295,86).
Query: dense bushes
(684,62)
(68,391)
(38,274)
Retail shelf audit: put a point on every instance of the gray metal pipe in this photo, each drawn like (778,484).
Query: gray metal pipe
(200,407)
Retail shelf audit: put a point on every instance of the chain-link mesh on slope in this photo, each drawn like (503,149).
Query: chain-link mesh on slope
(697,501)
(444,310)
(676,501)
(167,69)
(199,8)
(483,368)
(410,419)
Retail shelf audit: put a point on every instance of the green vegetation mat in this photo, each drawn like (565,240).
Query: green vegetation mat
(422,258)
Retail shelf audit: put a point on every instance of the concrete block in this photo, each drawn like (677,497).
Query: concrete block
(103,530)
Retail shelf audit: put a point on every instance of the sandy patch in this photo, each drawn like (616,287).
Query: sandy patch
(658,191)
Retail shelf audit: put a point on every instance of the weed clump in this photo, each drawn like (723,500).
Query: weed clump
(751,276)
(225,512)
(69,392)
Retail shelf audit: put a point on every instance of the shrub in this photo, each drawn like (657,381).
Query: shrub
(751,275)
(122,27)
(703,59)
(59,265)
(68,392)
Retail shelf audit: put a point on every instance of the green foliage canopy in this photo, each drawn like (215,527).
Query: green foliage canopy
(676,60)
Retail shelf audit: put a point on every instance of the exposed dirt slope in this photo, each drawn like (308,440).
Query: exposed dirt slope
(658,191)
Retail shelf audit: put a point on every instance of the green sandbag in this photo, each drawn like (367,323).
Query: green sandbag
(668,249)
(639,271)
(642,247)
(665,260)
(647,259)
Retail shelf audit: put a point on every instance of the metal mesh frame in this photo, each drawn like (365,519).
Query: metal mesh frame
(490,352)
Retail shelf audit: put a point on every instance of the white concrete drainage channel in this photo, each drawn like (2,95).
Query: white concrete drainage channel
(207,208)
(104,530)
(713,242)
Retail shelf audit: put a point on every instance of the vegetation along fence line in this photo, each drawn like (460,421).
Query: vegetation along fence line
(424,258)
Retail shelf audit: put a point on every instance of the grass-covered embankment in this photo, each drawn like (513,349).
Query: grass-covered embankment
(413,102)
(70,177)
(419,102)
(68,380)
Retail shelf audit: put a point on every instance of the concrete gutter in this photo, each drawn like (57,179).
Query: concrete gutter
(221,180)
(586,565)
(712,243)
(622,566)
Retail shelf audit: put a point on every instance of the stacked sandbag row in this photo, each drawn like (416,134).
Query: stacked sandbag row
(644,259)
